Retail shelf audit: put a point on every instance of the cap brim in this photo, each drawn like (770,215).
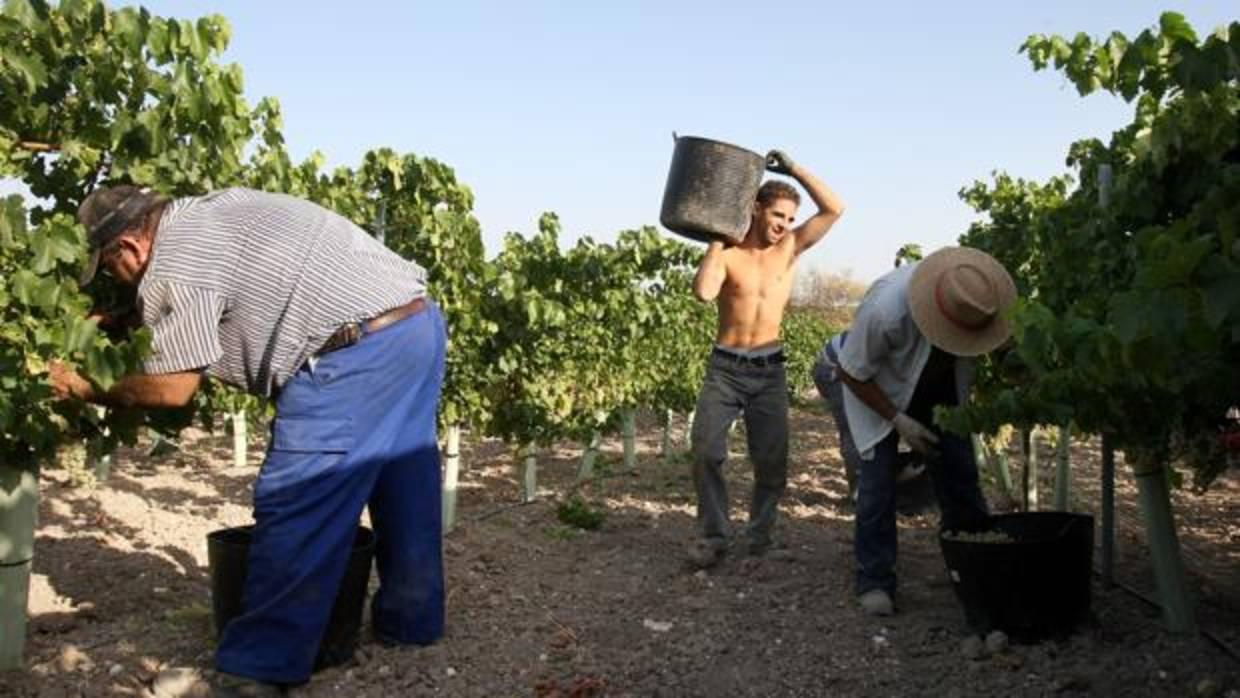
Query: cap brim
(88,271)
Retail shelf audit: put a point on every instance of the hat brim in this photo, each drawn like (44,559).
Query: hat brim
(941,331)
(92,266)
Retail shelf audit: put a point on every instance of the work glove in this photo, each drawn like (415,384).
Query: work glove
(777,161)
(916,435)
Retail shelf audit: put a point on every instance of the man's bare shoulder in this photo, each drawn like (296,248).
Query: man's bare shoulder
(782,253)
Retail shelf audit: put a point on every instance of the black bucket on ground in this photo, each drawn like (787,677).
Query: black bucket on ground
(710,191)
(1035,585)
(228,552)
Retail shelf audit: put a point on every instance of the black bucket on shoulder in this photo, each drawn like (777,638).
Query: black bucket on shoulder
(711,188)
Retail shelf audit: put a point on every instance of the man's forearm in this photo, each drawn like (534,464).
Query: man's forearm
(830,208)
(872,395)
(827,201)
(141,390)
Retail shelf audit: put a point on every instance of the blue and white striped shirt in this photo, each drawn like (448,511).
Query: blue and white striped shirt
(247,285)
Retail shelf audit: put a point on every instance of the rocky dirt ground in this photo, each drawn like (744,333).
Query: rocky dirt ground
(537,607)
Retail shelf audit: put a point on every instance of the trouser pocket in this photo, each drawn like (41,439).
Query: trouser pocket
(302,448)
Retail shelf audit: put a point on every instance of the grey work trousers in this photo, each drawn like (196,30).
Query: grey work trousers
(732,387)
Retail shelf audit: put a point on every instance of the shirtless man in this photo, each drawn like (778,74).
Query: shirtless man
(751,283)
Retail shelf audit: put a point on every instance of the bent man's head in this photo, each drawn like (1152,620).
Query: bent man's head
(774,210)
(120,229)
(959,297)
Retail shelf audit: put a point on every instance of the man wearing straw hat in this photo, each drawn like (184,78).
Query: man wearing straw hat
(751,282)
(292,302)
(910,349)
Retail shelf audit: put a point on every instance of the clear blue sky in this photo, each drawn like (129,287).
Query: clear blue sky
(569,106)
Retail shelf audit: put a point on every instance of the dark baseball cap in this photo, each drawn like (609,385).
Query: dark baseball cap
(106,213)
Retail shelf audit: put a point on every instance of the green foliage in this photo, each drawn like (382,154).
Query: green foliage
(1131,324)
(423,214)
(576,512)
(561,532)
(1016,226)
(908,253)
(88,96)
(1159,62)
(803,335)
(88,93)
(671,350)
(585,333)
(43,317)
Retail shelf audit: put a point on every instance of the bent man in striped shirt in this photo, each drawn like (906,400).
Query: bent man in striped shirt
(293,302)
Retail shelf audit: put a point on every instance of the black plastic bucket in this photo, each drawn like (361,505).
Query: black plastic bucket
(1034,587)
(710,189)
(228,552)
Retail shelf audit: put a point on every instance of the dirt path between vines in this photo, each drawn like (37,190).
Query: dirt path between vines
(537,608)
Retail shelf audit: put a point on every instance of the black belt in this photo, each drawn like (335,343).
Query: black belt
(764,360)
(348,334)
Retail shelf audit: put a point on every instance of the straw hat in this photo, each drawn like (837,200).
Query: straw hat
(957,297)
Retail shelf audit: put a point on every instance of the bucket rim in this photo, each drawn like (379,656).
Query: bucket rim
(239,536)
(713,141)
(994,523)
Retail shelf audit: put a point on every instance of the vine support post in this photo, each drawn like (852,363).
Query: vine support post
(665,447)
(1155,498)
(1029,452)
(585,469)
(689,429)
(241,438)
(998,459)
(1105,177)
(1108,448)
(529,473)
(451,475)
(161,445)
(980,458)
(629,422)
(1063,474)
(1108,511)
(19,500)
(99,464)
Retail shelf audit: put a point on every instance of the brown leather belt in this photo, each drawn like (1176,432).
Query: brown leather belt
(348,334)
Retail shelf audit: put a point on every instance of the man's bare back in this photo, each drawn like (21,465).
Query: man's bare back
(752,281)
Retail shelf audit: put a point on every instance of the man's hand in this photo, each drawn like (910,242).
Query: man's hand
(66,383)
(777,161)
(830,207)
(916,435)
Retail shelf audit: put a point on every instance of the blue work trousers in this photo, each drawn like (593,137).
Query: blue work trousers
(354,428)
